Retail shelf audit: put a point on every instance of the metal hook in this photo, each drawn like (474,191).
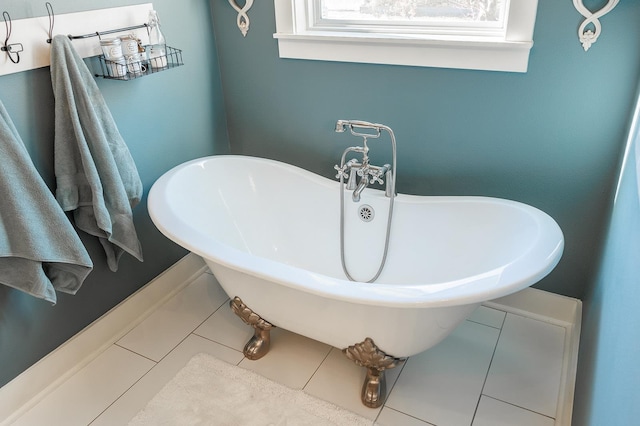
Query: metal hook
(52,20)
(10,48)
(99,34)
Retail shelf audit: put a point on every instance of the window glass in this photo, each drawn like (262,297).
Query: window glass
(439,12)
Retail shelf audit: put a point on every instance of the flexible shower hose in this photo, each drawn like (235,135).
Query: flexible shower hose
(388,233)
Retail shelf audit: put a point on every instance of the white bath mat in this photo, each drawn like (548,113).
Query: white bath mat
(208,391)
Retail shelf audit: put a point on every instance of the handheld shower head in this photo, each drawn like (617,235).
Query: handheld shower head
(354,127)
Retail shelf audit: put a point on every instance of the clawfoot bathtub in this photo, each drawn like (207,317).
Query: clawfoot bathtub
(269,232)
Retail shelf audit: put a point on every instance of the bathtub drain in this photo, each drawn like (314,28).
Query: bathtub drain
(366,213)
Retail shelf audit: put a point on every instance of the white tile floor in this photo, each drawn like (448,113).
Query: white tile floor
(496,369)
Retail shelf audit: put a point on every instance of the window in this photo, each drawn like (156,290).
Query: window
(492,35)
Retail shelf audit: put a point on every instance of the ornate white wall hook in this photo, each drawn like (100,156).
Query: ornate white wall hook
(243,18)
(590,36)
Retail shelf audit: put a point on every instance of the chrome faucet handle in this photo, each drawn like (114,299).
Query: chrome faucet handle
(342,171)
(377,173)
(376,177)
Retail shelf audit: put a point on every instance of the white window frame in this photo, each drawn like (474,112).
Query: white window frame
(297,39)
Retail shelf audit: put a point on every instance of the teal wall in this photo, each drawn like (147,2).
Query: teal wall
(550,138)
(607,389)
(165,118)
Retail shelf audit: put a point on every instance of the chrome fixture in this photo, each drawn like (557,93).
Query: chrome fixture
(341,126)
(368,174)
(364,182)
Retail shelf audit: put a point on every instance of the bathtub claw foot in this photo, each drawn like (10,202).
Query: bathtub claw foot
(259,344)
(367,354)
(374,388)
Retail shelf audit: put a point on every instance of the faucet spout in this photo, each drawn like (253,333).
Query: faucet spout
(364,182)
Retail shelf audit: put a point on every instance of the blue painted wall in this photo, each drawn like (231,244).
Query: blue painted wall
(166,118)
(607,388)
(550,138)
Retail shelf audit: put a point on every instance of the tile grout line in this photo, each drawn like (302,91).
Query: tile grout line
(494,351)
(152,360)
(156,363)
(317,368)
(495,348)
(136,353)
(177,344)
(192,332)
(221,344)
(523,408)
(391,390)
(405,363)
(408,415)
(129,388)
(188,334)
(486,325)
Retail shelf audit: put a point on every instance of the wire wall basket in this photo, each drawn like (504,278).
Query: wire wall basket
(128,69)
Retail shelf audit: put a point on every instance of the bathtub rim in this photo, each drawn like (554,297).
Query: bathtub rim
(478,288)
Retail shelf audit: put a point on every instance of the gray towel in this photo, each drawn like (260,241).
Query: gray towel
(39,249)
(95,173)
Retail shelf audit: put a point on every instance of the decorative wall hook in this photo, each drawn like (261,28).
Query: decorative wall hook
(11,49)
(590,35)
(243,18)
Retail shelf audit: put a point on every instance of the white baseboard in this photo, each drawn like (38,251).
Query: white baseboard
(539,304)
(23,392)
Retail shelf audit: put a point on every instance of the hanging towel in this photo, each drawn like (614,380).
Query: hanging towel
(40,252)
(95,173)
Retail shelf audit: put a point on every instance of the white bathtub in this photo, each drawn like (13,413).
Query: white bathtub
(269,232)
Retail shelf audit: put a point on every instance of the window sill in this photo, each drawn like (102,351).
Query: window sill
(463,53)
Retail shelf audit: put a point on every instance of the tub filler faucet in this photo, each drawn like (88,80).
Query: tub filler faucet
(367,172)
